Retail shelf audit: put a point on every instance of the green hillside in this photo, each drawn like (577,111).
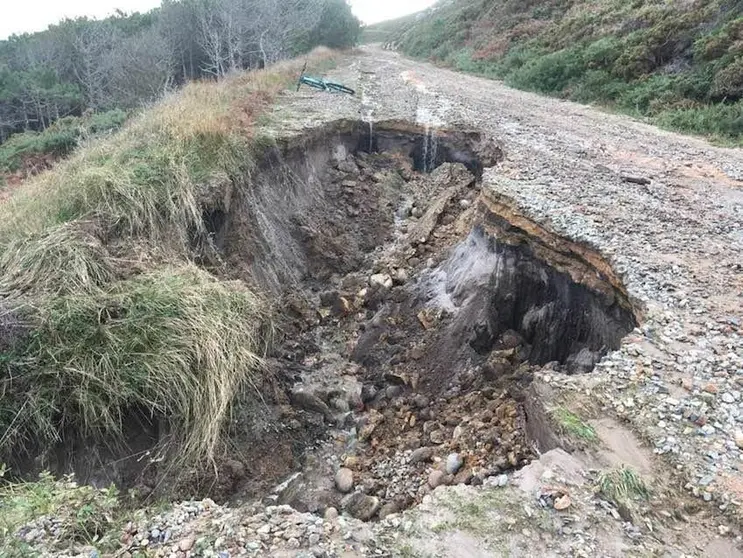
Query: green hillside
(678,63)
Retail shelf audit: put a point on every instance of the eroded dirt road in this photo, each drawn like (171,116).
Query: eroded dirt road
(657,216)
(667,211)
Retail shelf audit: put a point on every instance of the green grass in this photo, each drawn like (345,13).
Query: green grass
(174,342)
(59,140)
(84,515)
(106,316)
(622,485)
(678,66)
(572,425)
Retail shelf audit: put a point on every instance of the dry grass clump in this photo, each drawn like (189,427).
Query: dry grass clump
(162,339)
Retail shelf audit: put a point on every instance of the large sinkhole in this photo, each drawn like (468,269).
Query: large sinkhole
(412,310)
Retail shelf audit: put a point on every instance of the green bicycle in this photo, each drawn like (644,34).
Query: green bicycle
(321,84)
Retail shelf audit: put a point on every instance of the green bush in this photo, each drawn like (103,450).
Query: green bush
(722,121)
(550,73)
(648,59)
(59,140)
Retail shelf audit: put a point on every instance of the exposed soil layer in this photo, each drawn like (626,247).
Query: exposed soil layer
(412,314)
(413,330)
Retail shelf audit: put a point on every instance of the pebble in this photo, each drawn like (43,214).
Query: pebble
(728,397)
(454,462)
(187,544)
(344,480)
(436,478)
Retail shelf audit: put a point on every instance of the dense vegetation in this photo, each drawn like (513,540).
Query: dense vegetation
(678,63)
(89,66)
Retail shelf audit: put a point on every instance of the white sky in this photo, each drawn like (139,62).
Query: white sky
(20,16)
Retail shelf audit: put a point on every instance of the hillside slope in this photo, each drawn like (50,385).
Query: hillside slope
(678,63)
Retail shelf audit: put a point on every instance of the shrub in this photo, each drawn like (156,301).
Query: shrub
(550,73)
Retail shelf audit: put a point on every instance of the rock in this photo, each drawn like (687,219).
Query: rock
(711,388)
(437,437)
(417,212)
(436,478)
(368,393)
(401,277)
(388,509)
(454,462)
(464,204)
(421,454)
(728,397)
(187,544)
(562,503)
(501,481)
(349,167)
(310,402)
(361,506)
(330,514)
(344,480)
(421,401)
(463,477)
(393,391)
(739,438)
(381,280)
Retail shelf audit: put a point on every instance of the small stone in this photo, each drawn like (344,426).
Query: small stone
(264,529)
(711,388)
(330,514)
(739,439)
(420,400)
(421,454)
(436,478)
(436,437)
(344,480)
(723,530)
(562,503)
(314,538)
(361,506)
(155,534)
(293,543)
(401,277)
(728,397)
(381,280)
(187,544)
(464,204)
(502,480)
(454,462)
(388,509)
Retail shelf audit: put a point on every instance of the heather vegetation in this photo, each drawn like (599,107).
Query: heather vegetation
(677,63)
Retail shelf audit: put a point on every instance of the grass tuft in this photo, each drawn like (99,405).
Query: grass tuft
(571,424)
(175,342)
(105,317)
(622,485)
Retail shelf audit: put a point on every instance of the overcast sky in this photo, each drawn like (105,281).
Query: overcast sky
(20,16)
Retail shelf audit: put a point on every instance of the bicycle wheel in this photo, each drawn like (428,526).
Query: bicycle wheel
(339,88)
(316,83)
